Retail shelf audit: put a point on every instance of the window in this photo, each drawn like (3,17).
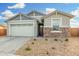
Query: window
(55,24)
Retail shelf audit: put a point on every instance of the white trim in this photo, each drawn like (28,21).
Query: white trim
(56,31)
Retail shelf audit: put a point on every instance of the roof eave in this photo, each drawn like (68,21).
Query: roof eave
(67,14)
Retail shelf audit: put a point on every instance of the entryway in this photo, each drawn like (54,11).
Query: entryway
(40,30)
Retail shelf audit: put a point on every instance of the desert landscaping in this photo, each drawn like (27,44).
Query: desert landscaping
(50,47)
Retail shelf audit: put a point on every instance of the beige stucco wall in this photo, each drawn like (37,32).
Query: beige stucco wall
(64,22)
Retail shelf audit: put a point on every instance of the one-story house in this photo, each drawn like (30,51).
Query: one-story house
(34,23)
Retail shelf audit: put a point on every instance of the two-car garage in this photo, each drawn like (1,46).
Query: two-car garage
(22,30)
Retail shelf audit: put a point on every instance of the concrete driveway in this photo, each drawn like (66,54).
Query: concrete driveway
(9,45)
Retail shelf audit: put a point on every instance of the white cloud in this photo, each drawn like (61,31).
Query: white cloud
(1,17)
(75,12)
(49,10)
(74,23)
(18,5)
(7,14)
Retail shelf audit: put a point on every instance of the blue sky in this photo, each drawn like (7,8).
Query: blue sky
(41,6)
(13,8)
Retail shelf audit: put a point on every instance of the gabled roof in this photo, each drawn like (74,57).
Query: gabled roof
(31,18)
(60,12)
(34,11)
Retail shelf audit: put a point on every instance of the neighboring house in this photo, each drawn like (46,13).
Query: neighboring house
(36,24)
(2,30)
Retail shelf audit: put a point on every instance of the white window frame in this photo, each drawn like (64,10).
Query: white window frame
(60,23)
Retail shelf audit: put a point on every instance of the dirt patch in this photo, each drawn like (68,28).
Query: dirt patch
(50,47)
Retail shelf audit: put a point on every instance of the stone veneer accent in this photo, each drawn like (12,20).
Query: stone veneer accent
(64,32)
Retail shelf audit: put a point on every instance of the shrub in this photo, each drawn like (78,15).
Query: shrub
(46,39)
(34,39)
(32,42)
(53,48)
(66,39)
(55,40)
(47,52)
(28,48)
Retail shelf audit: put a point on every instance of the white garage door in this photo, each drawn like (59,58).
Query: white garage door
(22,30)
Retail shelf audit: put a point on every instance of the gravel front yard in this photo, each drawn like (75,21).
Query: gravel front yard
(50,47)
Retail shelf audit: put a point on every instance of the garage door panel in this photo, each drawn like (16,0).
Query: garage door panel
(22,30)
